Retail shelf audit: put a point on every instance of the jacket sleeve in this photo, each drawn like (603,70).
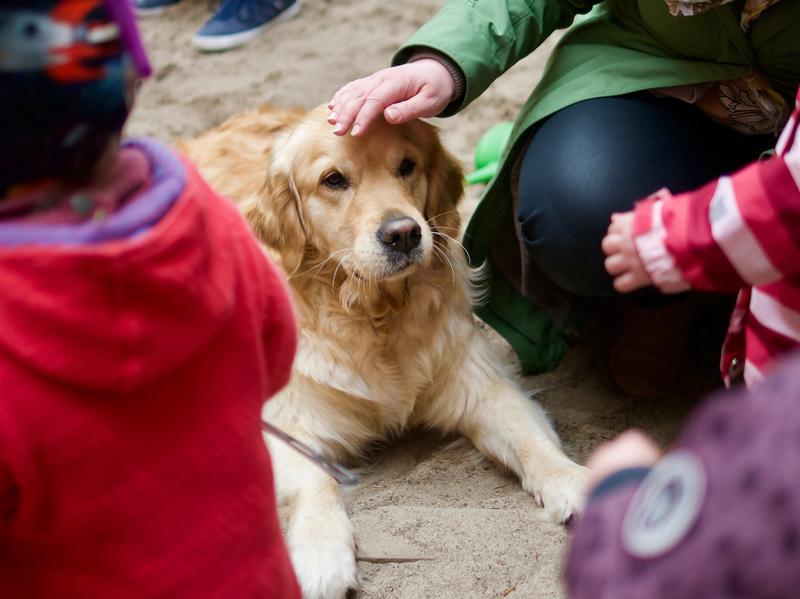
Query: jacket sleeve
(595,562)
(487,37)
(718,499)
(740,230)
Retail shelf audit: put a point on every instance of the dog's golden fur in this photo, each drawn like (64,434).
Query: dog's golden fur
(388,339)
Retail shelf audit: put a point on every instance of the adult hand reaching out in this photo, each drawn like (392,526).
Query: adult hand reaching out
(422,88)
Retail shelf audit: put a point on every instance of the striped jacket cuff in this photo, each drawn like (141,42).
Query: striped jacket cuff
(648,230)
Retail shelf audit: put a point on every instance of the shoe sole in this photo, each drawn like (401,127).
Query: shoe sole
(152,12)
(219,43)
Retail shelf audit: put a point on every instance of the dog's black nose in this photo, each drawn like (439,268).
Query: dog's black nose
(402,234)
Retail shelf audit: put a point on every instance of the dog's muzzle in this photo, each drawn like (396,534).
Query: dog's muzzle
(401,239)
(400,235)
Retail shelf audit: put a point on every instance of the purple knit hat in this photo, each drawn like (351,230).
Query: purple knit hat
(68,69)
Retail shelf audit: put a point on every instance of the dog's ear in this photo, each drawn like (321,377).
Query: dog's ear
(275,217)
(445,189)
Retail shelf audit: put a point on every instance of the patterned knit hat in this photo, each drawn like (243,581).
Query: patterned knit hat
(67,74)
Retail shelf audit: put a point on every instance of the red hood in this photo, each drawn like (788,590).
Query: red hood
(116,316)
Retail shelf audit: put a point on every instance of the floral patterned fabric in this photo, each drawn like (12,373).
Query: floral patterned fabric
(748,105)
(750,12)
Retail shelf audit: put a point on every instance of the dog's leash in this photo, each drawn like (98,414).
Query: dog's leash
(341,474)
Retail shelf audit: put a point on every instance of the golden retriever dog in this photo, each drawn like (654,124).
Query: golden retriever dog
(365,230)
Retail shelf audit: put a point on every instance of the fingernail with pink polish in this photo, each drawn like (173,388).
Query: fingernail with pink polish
(392,114)
(356,130)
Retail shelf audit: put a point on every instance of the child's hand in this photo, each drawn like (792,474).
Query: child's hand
(632,449)
(403,93)
(622,261)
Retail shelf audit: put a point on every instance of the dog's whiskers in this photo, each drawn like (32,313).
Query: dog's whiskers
(341,263)
(454,240)
(318,267)
(440,227)
(440,214)
(437,249)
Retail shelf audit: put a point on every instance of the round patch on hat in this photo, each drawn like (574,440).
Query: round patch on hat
(665,506)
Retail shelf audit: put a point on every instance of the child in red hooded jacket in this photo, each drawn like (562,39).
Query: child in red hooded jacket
(738,233)
(141,329)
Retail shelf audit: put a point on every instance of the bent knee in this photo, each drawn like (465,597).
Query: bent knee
(562,231)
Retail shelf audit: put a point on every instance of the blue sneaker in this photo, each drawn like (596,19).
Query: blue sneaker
(149,8)
(238,21)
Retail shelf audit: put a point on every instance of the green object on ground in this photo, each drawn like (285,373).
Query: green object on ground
(489,152)
(536,339)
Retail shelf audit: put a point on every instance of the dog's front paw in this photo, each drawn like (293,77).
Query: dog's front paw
(560,490)
(325,569)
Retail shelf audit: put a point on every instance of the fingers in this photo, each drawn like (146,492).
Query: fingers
(626,272)
(346,91)
(611,244)
(634,440)
(370,110)
(347,102)
(355,106)
(630,450)
(616,264)
(621,223)
(628,282)
(402,93)
(623,218)
(363,112)
(420,106)
(347,106)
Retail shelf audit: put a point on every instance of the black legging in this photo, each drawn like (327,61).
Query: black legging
(598,157)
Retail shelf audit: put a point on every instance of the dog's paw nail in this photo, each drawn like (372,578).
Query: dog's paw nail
(325,569)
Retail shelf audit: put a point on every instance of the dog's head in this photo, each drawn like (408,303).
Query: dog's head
(373,206)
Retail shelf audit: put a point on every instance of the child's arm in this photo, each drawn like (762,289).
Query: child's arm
(737,231)
(400,94)
(716,517)
(479,40)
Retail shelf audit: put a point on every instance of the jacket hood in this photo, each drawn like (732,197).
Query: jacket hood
(116,315)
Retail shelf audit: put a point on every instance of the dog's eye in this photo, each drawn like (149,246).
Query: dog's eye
(335,180)
(406,167)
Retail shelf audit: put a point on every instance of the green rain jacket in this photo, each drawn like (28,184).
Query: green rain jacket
(617,47)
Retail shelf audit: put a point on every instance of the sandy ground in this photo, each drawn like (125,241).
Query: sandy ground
(433,519)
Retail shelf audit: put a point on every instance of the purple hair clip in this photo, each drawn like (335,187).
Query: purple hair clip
(121,13)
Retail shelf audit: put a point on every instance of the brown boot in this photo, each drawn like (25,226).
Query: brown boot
(648,357)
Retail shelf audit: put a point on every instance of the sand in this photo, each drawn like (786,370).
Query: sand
(433,519)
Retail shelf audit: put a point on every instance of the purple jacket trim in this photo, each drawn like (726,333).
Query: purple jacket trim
(168,180)
(120,11)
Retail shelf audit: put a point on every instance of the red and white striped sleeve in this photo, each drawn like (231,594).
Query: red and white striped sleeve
(740,230)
